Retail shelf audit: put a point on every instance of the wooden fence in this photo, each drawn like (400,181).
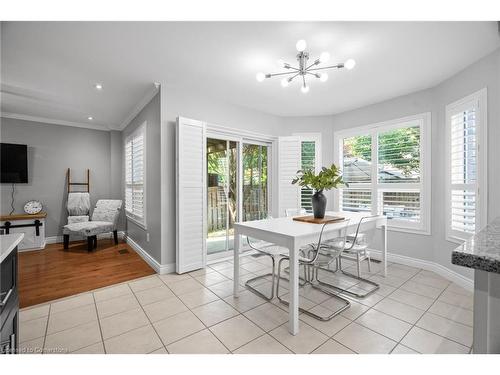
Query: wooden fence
(254,206)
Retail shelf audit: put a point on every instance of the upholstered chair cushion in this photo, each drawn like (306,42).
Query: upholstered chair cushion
(78,204)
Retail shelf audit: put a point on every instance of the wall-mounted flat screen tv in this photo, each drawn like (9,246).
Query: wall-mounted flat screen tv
(14,163)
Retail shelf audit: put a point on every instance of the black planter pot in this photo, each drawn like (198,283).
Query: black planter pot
(319,204)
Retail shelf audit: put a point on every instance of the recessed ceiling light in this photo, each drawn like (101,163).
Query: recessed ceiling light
(90,118)
(98,86)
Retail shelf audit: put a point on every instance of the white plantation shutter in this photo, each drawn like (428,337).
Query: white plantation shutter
(289,155)
(191,195)
(308,161)
(357,200)
(134,175)
(464,133)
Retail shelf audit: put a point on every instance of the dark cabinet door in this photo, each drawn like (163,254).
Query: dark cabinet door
(9,331)
(9,305)
(8,278)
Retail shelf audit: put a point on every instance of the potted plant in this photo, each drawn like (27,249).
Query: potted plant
(326,179)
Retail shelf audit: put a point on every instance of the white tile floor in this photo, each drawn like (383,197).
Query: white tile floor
(414,311)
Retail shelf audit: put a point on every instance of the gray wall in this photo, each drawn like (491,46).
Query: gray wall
(51,150)
(151,115)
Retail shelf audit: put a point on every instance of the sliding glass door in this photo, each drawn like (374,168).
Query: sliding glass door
(255,178)
(225,166)
(221,194)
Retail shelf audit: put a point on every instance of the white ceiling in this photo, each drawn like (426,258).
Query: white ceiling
(49,68)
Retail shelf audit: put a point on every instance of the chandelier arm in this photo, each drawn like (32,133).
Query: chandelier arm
(279,74)
(314,63)
(304,79)
(292,78)
(313,74)
(338,66)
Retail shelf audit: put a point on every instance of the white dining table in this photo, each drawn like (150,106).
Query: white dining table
(293,235)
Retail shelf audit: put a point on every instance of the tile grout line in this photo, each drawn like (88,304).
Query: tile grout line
(415,324)
(99,323)
(46,329)
(147,317)
(206,327)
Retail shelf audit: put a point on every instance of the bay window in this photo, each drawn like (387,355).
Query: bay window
(387,169)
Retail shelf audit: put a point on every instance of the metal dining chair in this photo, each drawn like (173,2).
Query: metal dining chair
(321,255)
(274,252)
(357,249)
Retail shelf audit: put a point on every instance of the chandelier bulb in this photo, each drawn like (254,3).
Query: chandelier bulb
(323,77)
(324,57)
(349,64)
(260,77)
(304,89)
(285,82)
(301,45)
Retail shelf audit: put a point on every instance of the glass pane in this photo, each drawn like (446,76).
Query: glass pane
(254,182)
(217,201)
(401,205)
(399,155)
(357,159)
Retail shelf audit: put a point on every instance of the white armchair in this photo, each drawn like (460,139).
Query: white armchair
(104,220)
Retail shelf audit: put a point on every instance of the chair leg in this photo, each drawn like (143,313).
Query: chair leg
(273,277)
(358,265)
(95,242)
(343,290)
(66,241)
(115,236)
(369,263)
(90,243)
(346,303)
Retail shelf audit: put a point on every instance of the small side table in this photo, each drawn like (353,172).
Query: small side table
(33,227)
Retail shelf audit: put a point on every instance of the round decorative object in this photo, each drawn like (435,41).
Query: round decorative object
(33,207)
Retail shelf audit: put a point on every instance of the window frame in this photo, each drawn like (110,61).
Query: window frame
(141,129)
(480,100)
(376,188)
(310,137)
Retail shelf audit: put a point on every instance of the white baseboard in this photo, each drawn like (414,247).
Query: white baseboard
(161,269)
(441,270)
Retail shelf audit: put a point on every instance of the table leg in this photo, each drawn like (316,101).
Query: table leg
(293,308)
(236,265)
(384,249)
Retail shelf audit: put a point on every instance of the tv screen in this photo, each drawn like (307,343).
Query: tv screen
(14,163)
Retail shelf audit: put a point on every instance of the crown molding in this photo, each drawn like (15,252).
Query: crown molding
(18,116)
(150,94)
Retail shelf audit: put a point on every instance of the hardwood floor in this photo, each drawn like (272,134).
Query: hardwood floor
(54,273)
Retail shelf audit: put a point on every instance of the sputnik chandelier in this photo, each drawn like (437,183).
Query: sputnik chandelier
(305,68)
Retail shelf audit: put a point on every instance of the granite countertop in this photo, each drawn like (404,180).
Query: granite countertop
(8,242)
(481,251)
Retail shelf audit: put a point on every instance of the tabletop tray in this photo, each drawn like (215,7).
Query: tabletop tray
(313,220)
